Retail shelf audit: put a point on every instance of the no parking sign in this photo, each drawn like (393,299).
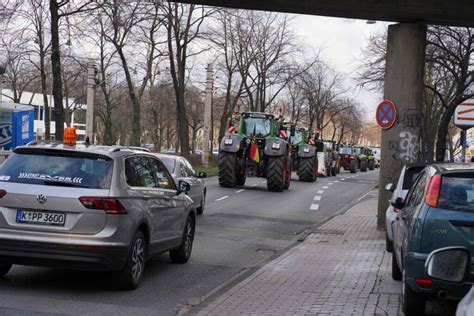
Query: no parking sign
(386,114)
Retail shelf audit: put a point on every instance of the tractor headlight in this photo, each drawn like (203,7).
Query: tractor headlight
(306,150)
(276,146)
(228,141)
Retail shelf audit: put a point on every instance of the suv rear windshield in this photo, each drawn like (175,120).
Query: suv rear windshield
(457,193)
(59,169)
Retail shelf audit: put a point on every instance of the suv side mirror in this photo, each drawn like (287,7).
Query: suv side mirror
(202,175)
(183,187)
(451,264)
(390,187)
(399,203)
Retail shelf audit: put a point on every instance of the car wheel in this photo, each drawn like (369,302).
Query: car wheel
(413,303)
(396,272)
(388,243)
(4,268)
(134,268)
(200,209)
(183,252)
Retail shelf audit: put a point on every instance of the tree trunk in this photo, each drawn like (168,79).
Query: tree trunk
(56,71)
(443,134)
(136,128)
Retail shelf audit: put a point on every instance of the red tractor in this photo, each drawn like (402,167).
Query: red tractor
(348,158)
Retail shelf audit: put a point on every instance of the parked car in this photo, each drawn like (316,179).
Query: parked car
(453,264)
(405,181)
(181,169)
(92,208)
(438,212)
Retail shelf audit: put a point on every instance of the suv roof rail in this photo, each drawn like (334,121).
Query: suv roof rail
(119,148)
(43,142)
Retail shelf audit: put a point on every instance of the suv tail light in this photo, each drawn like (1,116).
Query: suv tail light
(109,205)
(2,193)
(432,191)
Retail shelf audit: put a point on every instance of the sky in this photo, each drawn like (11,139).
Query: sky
(341,42)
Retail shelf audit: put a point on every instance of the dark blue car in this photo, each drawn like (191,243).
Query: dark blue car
(437,212)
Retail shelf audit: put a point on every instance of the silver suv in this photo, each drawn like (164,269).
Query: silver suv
(92,207)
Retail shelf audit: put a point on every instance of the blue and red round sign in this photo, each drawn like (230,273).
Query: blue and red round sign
(386,114)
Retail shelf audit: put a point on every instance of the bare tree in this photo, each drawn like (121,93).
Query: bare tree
(58,10)
(183,23)
(231,38)
(453,55)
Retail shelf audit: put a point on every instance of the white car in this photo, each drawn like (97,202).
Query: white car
(181,169)
(405,181)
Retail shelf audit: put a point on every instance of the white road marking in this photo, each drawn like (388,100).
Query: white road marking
(320,191)
(222,198)
(317,198)
(239,191)
(336,181)
(330,183)
(342,179)
(314,207)
(325,187)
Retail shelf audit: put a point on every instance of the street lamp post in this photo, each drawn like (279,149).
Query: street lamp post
(90,100)
(207,117)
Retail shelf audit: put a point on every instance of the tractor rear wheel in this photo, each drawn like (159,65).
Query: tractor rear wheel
(307,171)
(227,172)
(276,173)
(371,165)
(363,166)
(353,166)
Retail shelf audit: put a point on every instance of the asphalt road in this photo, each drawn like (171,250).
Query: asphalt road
(241,229)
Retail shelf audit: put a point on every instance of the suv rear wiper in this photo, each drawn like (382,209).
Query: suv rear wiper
(64,184)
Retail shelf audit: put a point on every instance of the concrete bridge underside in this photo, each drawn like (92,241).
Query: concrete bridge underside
(404,73)
(447,12)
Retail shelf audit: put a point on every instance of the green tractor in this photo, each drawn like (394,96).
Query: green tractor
(255,150)
(370,158)
(362,158)
(304,148)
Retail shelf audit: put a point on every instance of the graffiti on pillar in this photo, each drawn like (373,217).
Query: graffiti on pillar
(408,147)
(411,119)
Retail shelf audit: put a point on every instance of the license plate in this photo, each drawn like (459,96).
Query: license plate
(40,218)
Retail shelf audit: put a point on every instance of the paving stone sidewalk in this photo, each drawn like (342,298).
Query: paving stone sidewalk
(340,269)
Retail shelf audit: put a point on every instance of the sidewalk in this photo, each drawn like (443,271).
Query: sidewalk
(340,269)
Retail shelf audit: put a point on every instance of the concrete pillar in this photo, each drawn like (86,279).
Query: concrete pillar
(404,86)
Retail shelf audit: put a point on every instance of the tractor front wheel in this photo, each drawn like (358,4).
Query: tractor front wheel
(276,173)
(227,172)
(308,169)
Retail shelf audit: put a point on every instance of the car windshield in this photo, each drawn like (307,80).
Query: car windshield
(169,163)
(260,126)
(346,150)
(410,176)
(297,138)
(59,169)
(457,193)
(357,150)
